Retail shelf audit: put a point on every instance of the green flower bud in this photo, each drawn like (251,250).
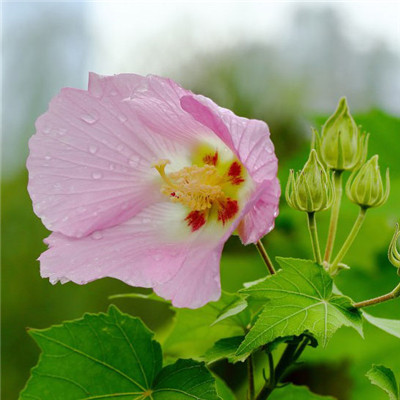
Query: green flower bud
(341,146)
(393,253)
(365,187)
(311,189)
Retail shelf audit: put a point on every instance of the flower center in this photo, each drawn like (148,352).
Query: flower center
(195,187)
(207,190)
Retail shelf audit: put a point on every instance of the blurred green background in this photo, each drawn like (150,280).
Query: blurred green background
(286,64)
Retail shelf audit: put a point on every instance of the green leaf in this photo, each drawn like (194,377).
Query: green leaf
(225,348)
(292,392)
(104,356)
(233,309)
(299,298)
(223,390)
(384,378)
(193,334)
(151,296)
(391,326)
(186,379)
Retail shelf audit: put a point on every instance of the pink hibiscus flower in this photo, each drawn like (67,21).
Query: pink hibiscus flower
(143,181)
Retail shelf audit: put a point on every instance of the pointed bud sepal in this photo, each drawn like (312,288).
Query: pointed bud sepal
(311,189)
(365,187)
(341,146)
(393,253)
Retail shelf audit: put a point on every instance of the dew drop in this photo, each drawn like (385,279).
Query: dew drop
(122,118)
(97,175)
(65,219)
(157,257)
(62,131)
(111,167)
(92,149)
(90,118)
(134,161)
(47,157)
(47,129)
(97,235)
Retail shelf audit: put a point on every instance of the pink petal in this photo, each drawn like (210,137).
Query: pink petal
(250,140)
(158,106)
(261,218)
(149,250)
(90,160)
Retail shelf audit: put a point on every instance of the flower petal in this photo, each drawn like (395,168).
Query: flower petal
(260,220)
(90,159)
(153,249)
(158,106)
(250,140)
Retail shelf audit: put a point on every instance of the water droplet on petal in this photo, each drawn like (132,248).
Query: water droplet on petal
(97,175)
(62,131)
(120,147)
(122,118)
(47,157)
(97,235)
(90,118)
(92,149)
(111,167)
(47,129)
(134,161)
(65,219)
(157,257)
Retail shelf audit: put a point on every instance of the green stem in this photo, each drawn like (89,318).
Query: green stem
(389,296)
(337,177)
(250,373)
(290,355)
(312,228)
(271,369)
(301,348)
(349,241)
(265,257)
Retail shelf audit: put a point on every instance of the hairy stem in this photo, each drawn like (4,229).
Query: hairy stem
(337,177)
(389,296)
(250,374)
(349,241)
(312,228)
(265,257)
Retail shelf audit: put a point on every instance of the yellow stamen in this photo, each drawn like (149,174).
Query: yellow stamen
(195,187)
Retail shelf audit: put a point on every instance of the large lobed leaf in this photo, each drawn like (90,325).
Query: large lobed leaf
(112,355)
(384,378)
(297,299)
